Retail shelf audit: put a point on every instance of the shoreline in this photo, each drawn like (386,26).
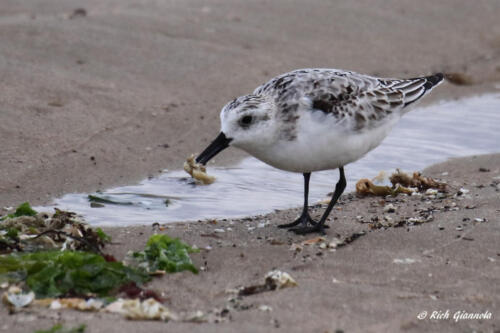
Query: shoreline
(11,194)
(406,268)
(440,115)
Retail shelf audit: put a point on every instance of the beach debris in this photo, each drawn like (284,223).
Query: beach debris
(389,208)
(197,171)
(132,290)
(23,209)
(296,247)
(273,280)
(365,186)
(313,241)
(431,192)
(164,254)
(52,273)
(360,218)
(197,316)
(135,309)
(59,273)
(15,297)
(280,279)
(337,242)
(401,183)
(100,201)
(81,304)
(27,230)
(265,308)
(324,243)
(416,180)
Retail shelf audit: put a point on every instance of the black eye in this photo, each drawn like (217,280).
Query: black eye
(246,120)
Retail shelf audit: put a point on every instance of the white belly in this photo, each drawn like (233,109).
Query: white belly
(322,146)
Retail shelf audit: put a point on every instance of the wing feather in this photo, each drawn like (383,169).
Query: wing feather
(355,100)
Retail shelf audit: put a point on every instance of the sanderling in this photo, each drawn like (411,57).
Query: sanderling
(316,119)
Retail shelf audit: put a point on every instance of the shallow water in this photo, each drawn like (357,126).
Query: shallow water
(424,136)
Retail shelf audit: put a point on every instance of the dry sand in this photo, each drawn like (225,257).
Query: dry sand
(132,87)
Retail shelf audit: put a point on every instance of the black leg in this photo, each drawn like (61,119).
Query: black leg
(304,218)
(319,227)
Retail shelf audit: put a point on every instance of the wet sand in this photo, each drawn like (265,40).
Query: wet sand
(380,282)
(129,88)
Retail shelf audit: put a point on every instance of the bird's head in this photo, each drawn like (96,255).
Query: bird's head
(247,123)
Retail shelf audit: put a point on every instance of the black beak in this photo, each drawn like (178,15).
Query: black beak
(219,144)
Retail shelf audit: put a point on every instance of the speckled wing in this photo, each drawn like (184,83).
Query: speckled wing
(356,101)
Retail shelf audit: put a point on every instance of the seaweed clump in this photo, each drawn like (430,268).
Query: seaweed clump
(165,254)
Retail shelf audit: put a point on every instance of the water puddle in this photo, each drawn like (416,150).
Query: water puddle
(424,136)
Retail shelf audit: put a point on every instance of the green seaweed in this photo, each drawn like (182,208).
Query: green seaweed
(105,238)
(167,254)
(61,273)
(95,198)
(23,209)
(58,328)
(9,240)
(12,233)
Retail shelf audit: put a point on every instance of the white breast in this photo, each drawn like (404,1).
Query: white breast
(322,144)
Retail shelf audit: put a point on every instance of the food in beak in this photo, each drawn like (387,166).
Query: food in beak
(197,171)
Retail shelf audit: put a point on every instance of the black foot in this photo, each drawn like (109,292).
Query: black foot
(305,229)
(304,219)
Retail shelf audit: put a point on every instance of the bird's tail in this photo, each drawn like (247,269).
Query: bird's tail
(433,80)
(416,88)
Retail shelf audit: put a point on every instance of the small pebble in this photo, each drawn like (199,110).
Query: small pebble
(265,308)
(390,208)
(431,191)
(405,261)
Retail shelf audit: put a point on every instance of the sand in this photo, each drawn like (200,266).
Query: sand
(380,282)
(109,95)
(132,88)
